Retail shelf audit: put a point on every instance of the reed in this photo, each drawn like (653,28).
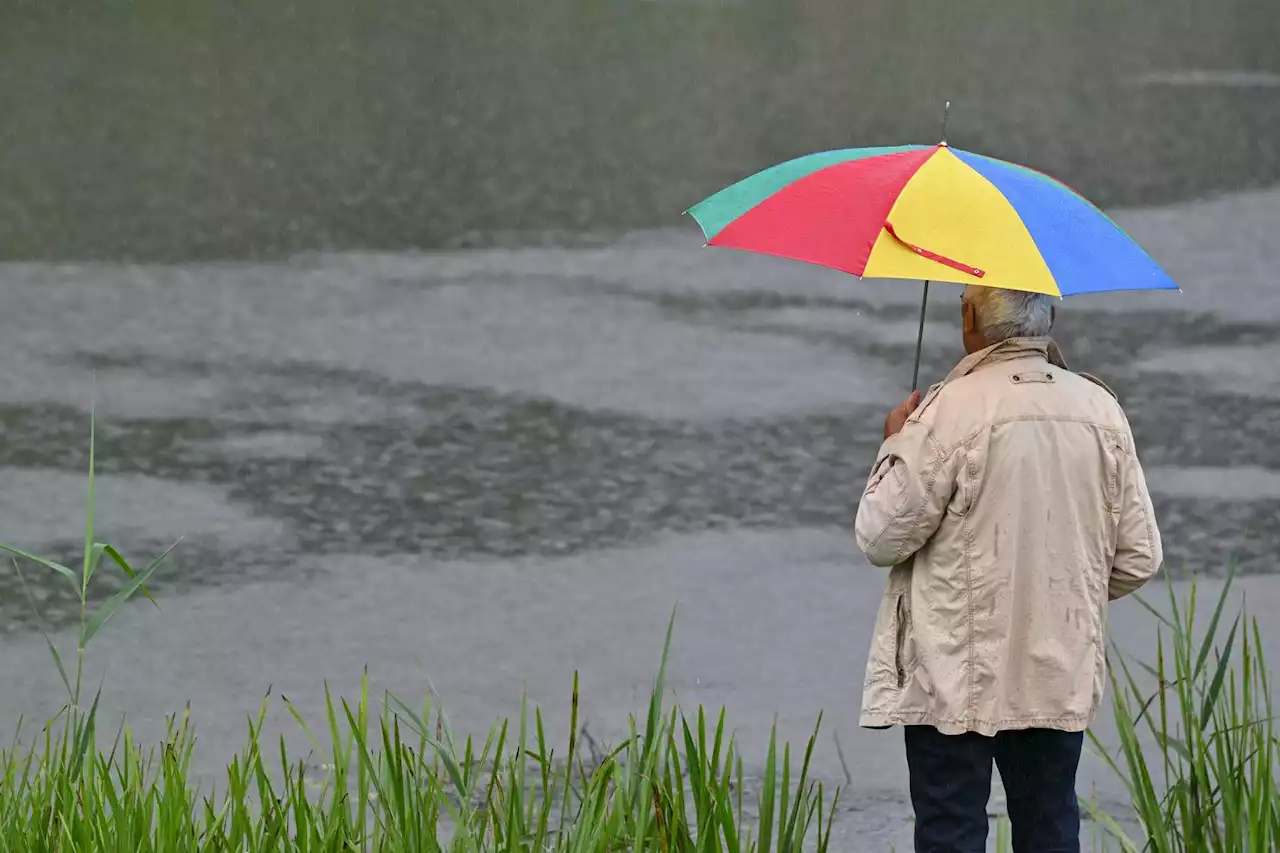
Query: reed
(1197,748)
(392,779)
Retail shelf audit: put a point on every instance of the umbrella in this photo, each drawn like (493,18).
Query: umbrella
(930,212)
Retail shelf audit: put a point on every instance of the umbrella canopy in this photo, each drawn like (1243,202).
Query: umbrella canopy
(930,213)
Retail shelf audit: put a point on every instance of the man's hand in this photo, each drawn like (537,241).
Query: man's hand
(898,417)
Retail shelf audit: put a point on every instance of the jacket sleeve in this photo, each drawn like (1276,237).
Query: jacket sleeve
(906,496)
(1138,549)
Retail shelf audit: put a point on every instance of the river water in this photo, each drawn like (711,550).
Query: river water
(486,469)
(427,374)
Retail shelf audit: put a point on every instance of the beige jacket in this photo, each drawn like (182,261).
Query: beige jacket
(1012,508)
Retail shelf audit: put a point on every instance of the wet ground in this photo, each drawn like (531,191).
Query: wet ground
(489,468)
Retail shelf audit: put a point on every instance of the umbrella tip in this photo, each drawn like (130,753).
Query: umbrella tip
(946,114)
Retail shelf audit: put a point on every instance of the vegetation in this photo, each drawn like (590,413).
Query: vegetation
(394,780)
(1197,751)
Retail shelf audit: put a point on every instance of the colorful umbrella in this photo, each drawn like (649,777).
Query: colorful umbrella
(932,213)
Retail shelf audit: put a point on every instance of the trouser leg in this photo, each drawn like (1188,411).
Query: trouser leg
(950,787)
(1038,768)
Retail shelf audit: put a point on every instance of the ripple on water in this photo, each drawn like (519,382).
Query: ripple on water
(44,511)
(567,412)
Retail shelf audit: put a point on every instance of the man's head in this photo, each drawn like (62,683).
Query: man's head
(991,315)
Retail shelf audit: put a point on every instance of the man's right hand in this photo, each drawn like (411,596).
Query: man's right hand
(898,417)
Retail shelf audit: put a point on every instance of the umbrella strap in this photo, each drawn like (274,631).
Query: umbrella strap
(934,256)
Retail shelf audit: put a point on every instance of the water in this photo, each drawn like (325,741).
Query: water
(484,469)
(423,367)
(151,130)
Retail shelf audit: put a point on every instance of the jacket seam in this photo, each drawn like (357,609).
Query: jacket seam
(1075,419)
(967,536)
(941,455)
(1143,503)
(889,714)
(966,540)
(893,518)
(966,440)
(947,450)
(924,501)
(940,458)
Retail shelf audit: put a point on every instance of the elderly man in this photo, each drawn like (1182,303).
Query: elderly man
(1012,508)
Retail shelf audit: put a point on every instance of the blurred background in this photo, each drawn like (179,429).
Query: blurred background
(389,310)
(148,130)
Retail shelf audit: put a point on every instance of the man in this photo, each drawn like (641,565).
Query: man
(1012,508)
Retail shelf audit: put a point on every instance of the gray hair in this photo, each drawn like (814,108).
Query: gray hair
(1005,314)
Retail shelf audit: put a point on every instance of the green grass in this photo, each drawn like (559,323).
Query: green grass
(1198,749)
(1197,752)
(394,779)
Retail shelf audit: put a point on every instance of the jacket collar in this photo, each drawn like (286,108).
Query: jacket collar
(1008,350)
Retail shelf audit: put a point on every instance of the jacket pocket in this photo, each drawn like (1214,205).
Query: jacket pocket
(902,619)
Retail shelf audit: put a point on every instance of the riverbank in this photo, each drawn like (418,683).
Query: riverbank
(480,635)
(666,775)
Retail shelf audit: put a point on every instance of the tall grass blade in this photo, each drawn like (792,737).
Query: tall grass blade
(1215,686)
(108,608)
(53,650)
(129,571)
(57,661)
(90,503)
(83,729)
(41,561)
(1211,632)
(768,793)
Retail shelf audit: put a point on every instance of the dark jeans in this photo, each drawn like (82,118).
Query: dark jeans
(951,784)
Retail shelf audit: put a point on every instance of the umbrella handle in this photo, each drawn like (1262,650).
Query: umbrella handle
(924,303)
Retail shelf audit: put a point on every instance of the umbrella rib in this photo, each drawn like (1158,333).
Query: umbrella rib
(934,256)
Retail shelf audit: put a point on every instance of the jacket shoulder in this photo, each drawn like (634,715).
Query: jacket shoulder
(1096,381)
(955,408)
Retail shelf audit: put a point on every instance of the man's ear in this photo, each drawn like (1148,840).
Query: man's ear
(969,317)
(1053,314)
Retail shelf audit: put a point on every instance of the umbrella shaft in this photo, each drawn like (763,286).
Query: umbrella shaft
(924,303)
